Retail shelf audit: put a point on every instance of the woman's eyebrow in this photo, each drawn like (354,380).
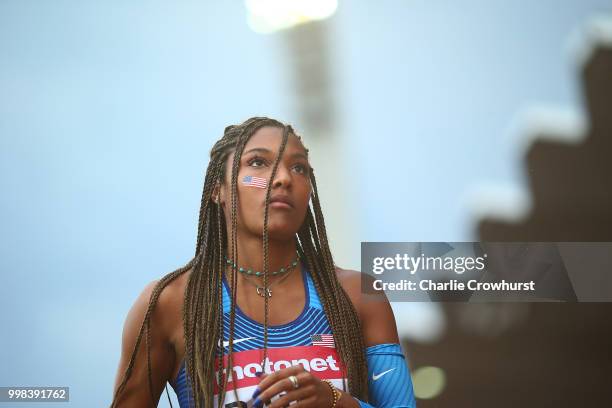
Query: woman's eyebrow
(258,149)
(299,155)
(264,150)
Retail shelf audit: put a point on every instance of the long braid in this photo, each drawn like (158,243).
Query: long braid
(234,256)
(203,307)
(250,127)
(339,309)
(220,265)
(286,131)
(221,395)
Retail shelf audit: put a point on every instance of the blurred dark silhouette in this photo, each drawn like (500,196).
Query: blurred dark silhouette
(541,354)
(571,185)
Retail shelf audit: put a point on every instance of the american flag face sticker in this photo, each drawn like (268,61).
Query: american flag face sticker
(324,340)
(252,181)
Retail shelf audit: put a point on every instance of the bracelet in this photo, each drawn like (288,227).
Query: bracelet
(334,391)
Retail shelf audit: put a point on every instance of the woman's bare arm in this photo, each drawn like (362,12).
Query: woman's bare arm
(375,314)
(136,392)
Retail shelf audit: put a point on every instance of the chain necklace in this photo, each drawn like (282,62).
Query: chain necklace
(260,289)
(268,293)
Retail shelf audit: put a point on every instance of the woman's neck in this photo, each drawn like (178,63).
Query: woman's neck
(250,254)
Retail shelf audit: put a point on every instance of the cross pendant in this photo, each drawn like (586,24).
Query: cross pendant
(260,292)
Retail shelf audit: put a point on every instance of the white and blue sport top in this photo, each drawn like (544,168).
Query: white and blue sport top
(307,340)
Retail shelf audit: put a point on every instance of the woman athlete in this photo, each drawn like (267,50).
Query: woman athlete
(261,315)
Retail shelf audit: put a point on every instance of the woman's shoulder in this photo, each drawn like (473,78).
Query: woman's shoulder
(351,281)
(167,311)
(348,276)
(375,313)
(161,301)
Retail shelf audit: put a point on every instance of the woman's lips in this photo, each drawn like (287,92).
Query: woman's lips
(281,201)
(280,205)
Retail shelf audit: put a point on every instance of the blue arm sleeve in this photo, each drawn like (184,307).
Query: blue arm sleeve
(389,382)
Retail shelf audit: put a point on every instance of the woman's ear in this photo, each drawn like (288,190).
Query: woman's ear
(218,194)
(215,194)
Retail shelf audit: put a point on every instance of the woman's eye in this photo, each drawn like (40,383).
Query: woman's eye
(301,169)
(256,162)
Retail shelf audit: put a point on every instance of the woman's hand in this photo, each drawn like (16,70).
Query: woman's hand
(311,391)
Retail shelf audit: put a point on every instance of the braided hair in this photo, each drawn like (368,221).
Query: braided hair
(203,308)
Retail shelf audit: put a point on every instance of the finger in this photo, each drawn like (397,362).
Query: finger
(308,402)
(293,395)
(283,384)
(277,375)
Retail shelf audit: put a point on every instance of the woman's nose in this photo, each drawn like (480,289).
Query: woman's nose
(282,177)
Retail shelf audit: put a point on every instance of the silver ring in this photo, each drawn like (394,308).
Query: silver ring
(294,381)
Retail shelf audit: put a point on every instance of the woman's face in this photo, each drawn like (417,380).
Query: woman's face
(290,188)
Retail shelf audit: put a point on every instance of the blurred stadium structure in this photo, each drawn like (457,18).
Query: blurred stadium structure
(539,354)
(570,176)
